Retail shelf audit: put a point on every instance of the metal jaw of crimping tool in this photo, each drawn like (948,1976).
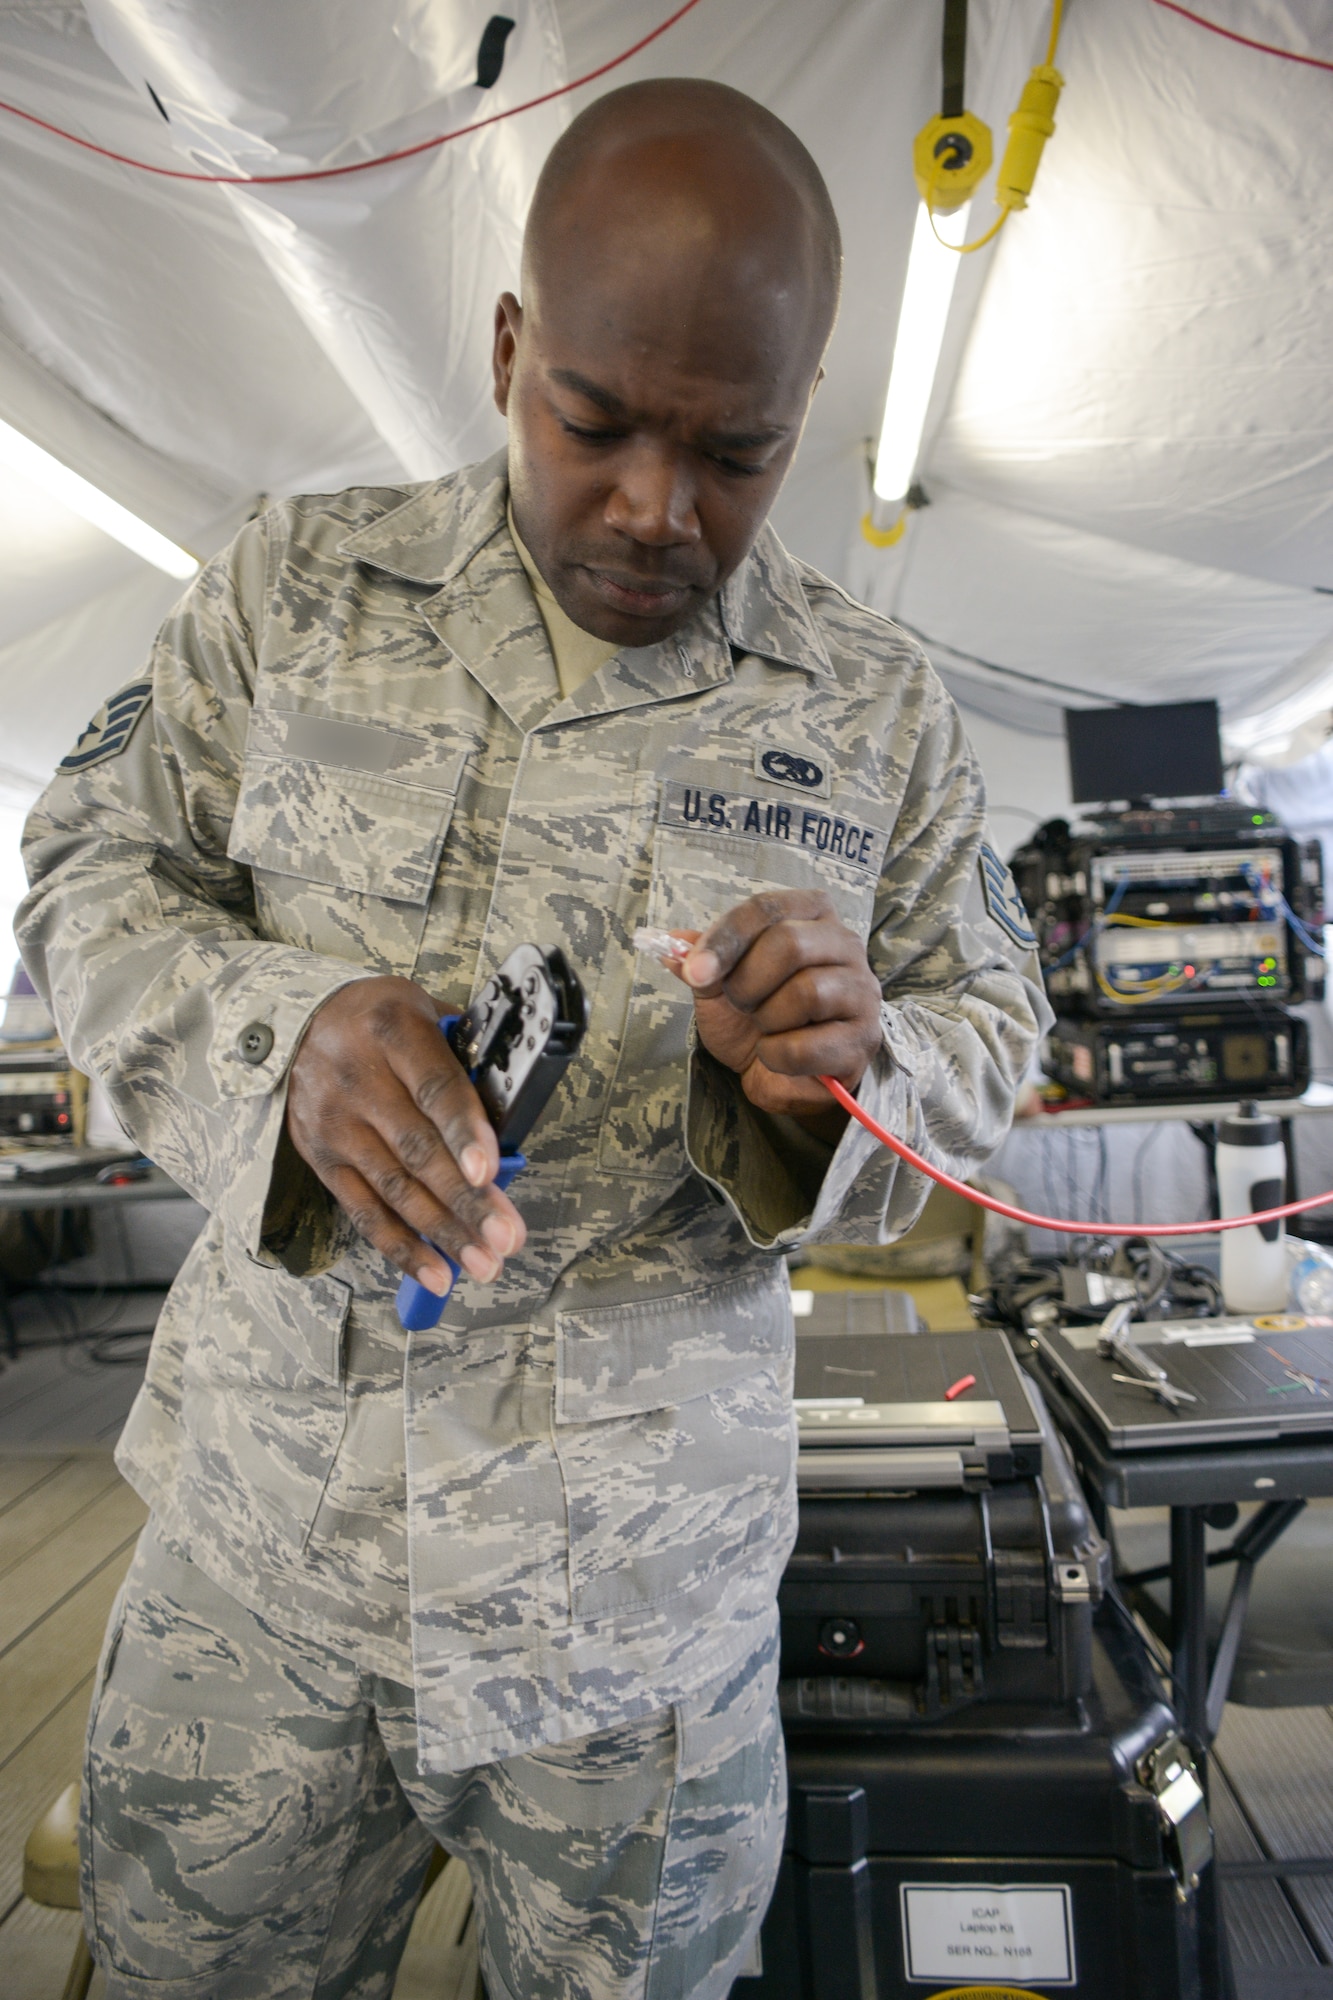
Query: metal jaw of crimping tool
(1113,1341)
(515,1041)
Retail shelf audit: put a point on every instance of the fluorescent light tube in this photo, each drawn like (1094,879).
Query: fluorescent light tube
(931,271)
(21,455)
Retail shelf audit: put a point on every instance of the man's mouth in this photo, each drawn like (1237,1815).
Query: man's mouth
(638,597)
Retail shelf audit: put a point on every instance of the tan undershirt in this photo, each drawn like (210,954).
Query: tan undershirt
(577,653)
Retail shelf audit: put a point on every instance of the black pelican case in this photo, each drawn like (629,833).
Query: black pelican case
(997,1852)
(945,1554)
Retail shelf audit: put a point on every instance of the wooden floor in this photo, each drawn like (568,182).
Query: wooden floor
(68,1524)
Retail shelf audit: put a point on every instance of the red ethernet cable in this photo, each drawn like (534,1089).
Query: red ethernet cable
(905,1152)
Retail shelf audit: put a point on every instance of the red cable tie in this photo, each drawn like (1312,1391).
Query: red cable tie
(353,166)
(1246,41)
(904,1152)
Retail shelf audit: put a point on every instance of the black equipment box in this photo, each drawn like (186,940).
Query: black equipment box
(1231,1381)
(945,1555)
(40,1095)
(1261,1052)
(1126,919)
(987,1855)
(880,1412)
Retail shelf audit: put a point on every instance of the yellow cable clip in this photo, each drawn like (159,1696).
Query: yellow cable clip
(885,538)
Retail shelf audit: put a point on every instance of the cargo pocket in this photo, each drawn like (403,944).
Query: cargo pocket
(305,1316)
(262,1400)
(674,1433)
(343,862)
(697,876)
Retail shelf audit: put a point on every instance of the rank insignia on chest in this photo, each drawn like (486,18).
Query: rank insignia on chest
(110,729)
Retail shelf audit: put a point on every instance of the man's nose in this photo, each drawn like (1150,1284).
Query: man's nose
(653,500)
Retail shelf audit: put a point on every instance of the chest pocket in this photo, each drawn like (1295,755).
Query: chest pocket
(344,859)
(701,867)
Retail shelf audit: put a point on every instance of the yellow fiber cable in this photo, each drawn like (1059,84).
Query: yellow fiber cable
(1143,998)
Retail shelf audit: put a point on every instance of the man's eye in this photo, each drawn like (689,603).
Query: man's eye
(735,465)
(587,434)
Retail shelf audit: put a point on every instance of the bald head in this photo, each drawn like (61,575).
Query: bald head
(697,173)
(680,280)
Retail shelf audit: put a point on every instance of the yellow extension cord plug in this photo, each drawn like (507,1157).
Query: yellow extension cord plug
(1030,126)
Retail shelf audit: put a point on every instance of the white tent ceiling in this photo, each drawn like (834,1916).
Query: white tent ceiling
(1130,452)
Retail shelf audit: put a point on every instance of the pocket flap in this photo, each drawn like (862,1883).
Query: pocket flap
(381,836)
(653,1354)
(306,1315)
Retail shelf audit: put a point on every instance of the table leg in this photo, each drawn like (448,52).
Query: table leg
(7,1321)
(1255,1539)
(1189,1624)
(1189,1665)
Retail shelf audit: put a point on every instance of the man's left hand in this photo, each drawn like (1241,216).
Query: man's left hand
(784,994)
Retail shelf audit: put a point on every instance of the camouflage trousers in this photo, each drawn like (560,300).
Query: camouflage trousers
(256,1828)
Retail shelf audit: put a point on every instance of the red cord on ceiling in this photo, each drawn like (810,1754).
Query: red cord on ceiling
(354,166)
(905,1152)
(1246,41)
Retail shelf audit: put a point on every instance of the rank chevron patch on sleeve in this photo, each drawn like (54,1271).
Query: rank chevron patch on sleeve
(1003,901)
(110,729)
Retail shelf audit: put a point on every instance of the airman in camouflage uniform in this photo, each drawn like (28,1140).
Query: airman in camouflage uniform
(535,1549)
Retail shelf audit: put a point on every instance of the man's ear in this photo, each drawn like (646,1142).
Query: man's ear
(508,326)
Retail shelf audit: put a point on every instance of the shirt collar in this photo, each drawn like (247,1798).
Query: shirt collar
(765,610)
(438,531)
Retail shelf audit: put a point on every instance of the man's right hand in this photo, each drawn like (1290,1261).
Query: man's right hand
(382,1110)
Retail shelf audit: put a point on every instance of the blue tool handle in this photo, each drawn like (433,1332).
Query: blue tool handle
(419,1308)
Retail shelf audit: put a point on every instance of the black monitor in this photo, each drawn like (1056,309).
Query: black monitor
(1163,750)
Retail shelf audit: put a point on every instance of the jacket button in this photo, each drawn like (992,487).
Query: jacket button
(256,1042)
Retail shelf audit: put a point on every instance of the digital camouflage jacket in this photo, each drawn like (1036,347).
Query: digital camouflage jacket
(349,755)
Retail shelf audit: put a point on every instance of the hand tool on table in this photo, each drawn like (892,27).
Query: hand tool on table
(516,1039)
(1115,1342)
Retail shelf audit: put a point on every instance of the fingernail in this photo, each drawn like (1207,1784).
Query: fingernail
(702,968)
(474,1166)
(499,1234)
(434,1280)
(479,1263)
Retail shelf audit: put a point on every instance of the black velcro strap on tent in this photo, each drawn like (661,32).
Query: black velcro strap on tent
(953,57)
(491,53)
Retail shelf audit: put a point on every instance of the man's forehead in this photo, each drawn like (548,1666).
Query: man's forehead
(691,343)
(733,413)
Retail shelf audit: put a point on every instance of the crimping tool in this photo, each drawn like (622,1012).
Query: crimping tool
(515,1041)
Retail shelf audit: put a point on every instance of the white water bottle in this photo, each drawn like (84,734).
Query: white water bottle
(1252,1174)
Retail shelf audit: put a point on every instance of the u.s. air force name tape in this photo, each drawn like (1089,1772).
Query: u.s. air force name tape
(694,809)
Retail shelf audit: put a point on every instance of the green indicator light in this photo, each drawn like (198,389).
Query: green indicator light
(1256,819)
